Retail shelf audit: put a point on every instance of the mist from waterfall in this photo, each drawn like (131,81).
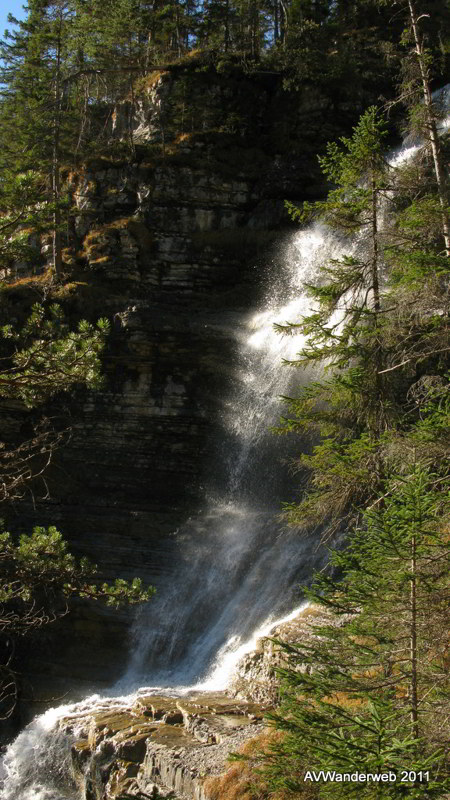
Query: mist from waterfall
(237,569)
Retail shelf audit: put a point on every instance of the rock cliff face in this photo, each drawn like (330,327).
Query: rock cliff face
(170,246)
(255,678)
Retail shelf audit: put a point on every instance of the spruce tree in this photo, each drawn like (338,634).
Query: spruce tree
(378,329)
(352,408)
(419,12)
(369,692)
(37,127)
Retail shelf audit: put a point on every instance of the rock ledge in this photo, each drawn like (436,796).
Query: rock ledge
(159,746)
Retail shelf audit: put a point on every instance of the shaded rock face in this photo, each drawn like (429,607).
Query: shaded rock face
(170,247)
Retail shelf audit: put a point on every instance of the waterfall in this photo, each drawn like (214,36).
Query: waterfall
(237,570)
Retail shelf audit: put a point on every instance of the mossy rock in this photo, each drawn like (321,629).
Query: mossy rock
(133,747)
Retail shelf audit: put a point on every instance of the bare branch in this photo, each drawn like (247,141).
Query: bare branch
(407,360)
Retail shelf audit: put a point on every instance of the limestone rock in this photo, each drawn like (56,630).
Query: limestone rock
(255,676)
(120,751)
(168,246)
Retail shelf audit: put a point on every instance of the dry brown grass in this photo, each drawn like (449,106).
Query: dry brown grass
(94,238)
(232,785)
(240,781)
(117,224)
(67,289)
(243,781)
(100,260)
(39,281)
(145,83)
(345,700)
(312,611)
(183,137)
(192,54)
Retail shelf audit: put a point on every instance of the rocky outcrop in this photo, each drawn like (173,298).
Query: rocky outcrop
(255,678)
(134,468)
(162,745)
(159,746)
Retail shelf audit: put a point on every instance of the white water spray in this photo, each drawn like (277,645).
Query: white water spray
(234,649)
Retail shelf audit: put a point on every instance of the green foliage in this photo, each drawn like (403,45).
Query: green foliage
(367,691)
(39,359)
(39,115)
(347,285)
(18,214)
(379,324)
(344,333)
(39,570)
(39,577)
(48,357)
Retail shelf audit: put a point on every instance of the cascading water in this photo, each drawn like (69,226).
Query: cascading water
(235,570)
(236,575)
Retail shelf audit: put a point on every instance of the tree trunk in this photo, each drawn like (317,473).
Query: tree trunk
(378,422)
(276,31)
(431,124)
(413,642)
(227,26)
(375,249)
(56,181)
(283,21)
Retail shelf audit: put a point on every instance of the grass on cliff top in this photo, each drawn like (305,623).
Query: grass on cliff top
(23,292)
(145,82)
(79,292)
(28,282)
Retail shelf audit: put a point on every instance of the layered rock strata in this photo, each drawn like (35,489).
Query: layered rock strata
(162,745)
(255,677)
(172,244)
(159,746)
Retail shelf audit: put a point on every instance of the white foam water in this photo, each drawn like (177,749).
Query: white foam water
(235,571)
(229,655)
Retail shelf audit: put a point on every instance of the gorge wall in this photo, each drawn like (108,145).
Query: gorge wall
(173,245)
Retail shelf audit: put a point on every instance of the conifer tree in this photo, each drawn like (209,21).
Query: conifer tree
(217,24)
(352,407)
(379,326)
(37,125)
(39,360)
(39,577)
(417,13)
(369,692)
